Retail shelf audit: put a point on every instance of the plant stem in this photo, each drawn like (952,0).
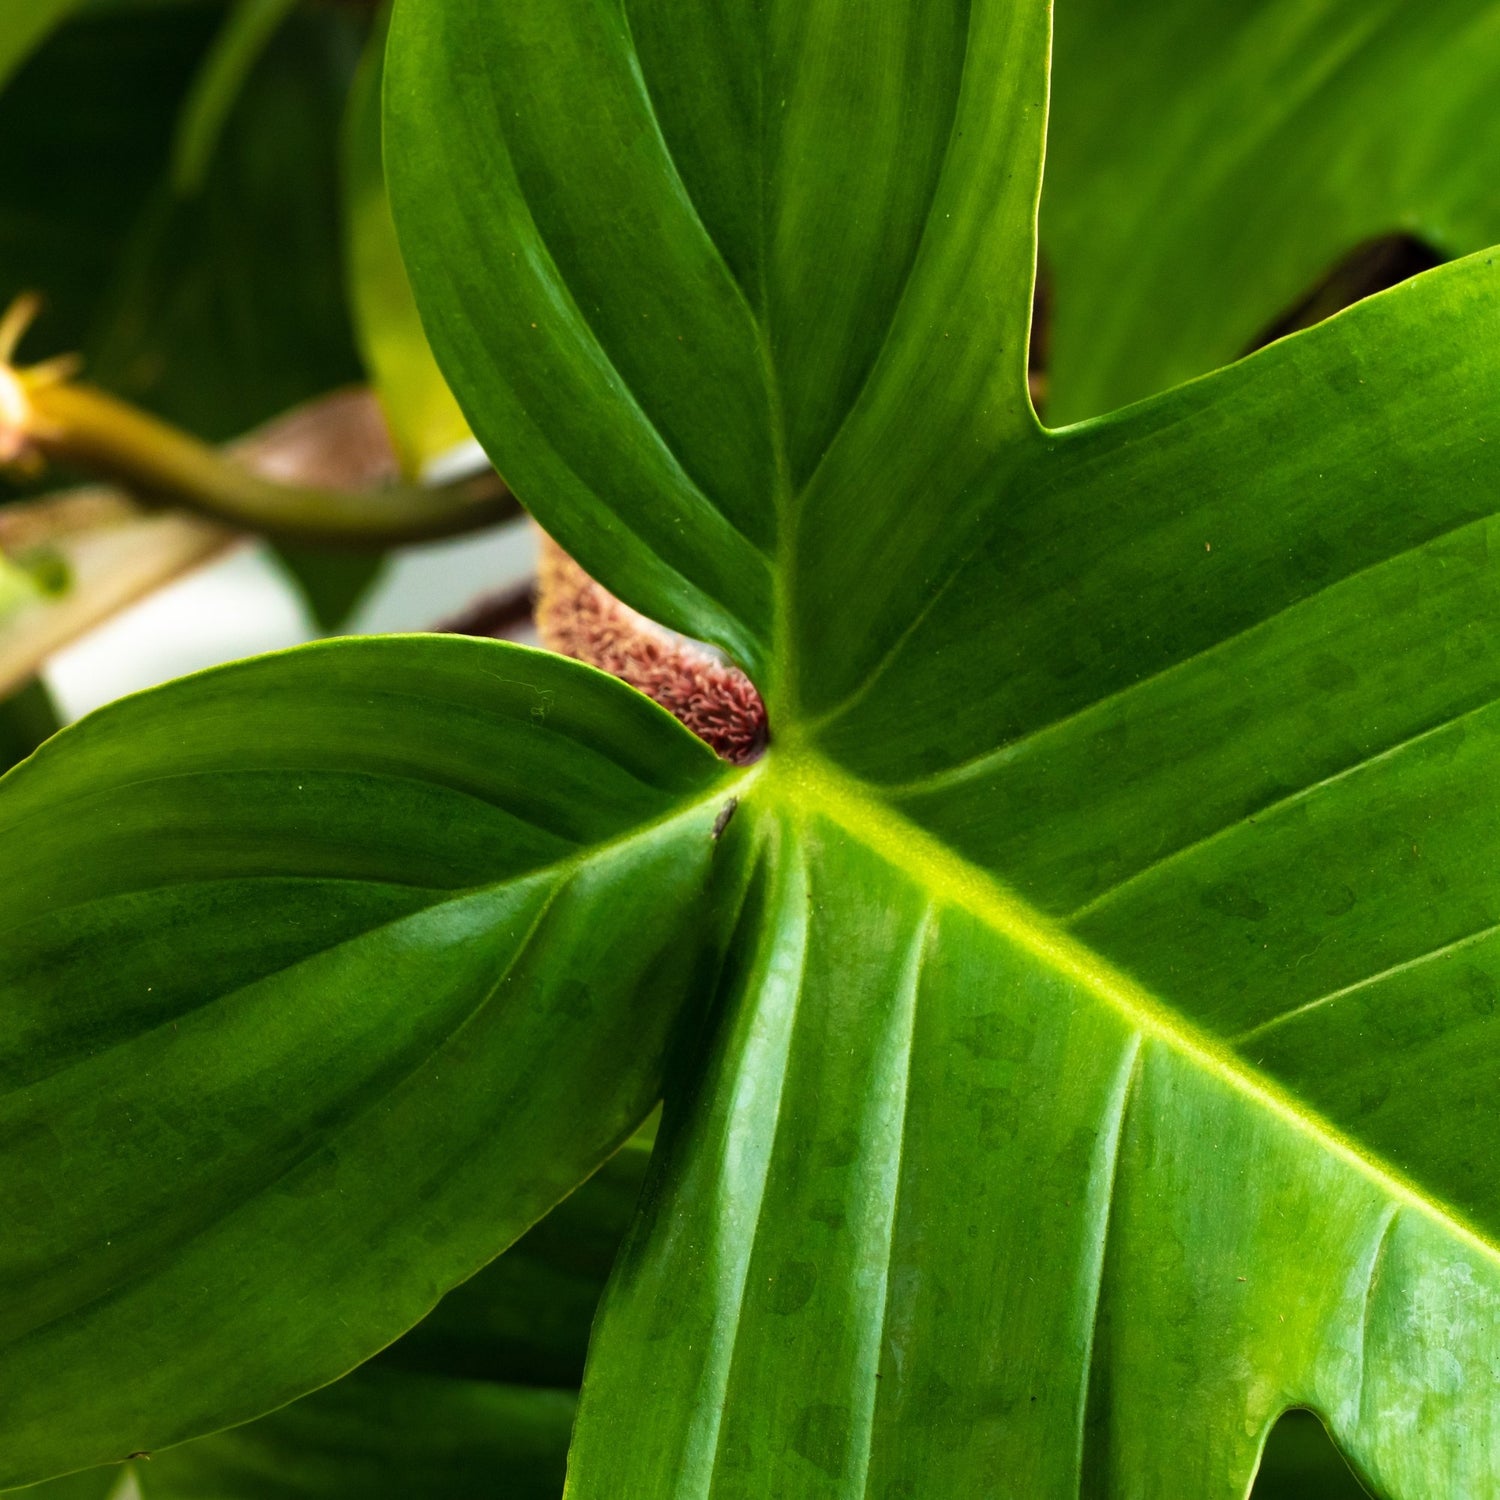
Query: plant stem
(83,426)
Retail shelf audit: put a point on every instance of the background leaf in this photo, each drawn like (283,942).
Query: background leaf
(379,1432)
(248,27)
(27,718)
(228,308)
(1208,165)
(25,26)
(333,583)
(219,312)
(424,418)
(1301,1464)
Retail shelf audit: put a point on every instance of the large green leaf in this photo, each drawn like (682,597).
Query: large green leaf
(617,282)
(1103,1060)
(477,1400)
(325,976)
(1209,163)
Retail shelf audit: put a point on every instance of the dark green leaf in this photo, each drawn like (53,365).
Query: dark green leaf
(228,308)
(248,27)
(525,1318)
(85,129)
(326,974)
(1301,1464)
(382,1432)
(1208,164)
(25,25)
(333,583)
(27,719)
(218,312)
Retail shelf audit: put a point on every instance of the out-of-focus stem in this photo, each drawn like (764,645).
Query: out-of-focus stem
(84,427)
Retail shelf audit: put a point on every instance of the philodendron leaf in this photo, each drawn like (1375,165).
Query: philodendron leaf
(476,1401)
(1103,1060)
(1208,164)
(610,216)
(325,975)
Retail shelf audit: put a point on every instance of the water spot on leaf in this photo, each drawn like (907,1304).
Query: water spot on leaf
(1480,989)
(841,1149)
(995,1037)
(792,1288)
(1329,674)
(1233,898)
(822,1436)
(1338,900)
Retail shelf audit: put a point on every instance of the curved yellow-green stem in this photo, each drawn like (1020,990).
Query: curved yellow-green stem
(86,427)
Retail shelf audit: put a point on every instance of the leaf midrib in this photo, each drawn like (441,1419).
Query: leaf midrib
(810,783)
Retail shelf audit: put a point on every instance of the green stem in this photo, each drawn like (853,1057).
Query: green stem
(85,427)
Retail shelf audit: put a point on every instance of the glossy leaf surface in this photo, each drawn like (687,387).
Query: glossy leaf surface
(476,1401)
(699,323)
(325,976)
(1208,164)
(1100,1065)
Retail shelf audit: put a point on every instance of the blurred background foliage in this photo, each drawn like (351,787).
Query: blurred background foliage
(215,302)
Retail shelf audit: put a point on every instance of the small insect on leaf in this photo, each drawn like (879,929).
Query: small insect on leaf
(725,814)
